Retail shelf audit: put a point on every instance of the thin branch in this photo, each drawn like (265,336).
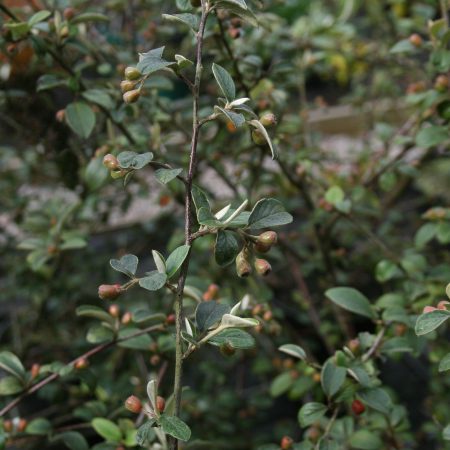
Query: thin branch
(376,344)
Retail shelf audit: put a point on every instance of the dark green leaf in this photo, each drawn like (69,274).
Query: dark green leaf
(127,264)
(141,342)
(445,363)
(89,17)
(310,413)
(281,384)
(226,248)
(80,117)
(11,364)
(40,16)
(10,385)
(351,300)
(95,312)
(268,213)
(175,427)
(332,378)
(432,136)
(99,97)
(73,440)
(152,61)
(365,440)
(98,334)
(200,198)
(39,426)
(377,399)
(49,81)
(209,313)
(176,259)
(224,81)
(428,322)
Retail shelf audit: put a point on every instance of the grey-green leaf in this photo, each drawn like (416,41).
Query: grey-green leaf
(377,399)
(209,313)
(145,433)
(153,281)
(176,259)
(310,413)
(133,160)
(293,350)
(73,440)
(226,248)
(10,363)
(164,176)
(268,213)
(152,61)
(80,117)
(106,429)
(332,378)
(95,312)
(235,337)
(224,81)
(365,440)
(428,322)
(351,300)
(175,427)
(191,20)
(260,127)
(127,264)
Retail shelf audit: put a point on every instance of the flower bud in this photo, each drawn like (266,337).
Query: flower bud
(358,407)
(68,13)
(60,115)
(268,237)
(133,404)
(8,426)
(443,304)
(234,33)
(268,315)
(400,329)
(286,443)
(131,96)
(231,127)
(227,350)
(160,404)
(257,309)
(127,85)
(109,291)
(22,425)
(428,309)
(416,40)
(243,267)
(170,319)
(132,73)
(268,119)
(81,363)
(258,138)
(354,345)
(114,310)
(126,318)
(262,267)
(316,377)
(111,162)
(155,360)
(34,371)
(261,248)
(441,83)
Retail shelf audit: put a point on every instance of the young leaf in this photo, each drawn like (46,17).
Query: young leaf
(236,118)
(10,363)
(153,281)
(268,213)
(260,127)
(235,337)
(175,427)
(224,81)
(160,262)
(332,378)
(231,321)
(428,322)
(226,248)
(176,259)
(80,117)
(127,264)
(106,429)
(152,393)
(209,313)
(310,413)
(351,300)
(164,176)
(293,350)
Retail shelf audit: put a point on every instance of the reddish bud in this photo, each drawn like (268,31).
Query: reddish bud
(164,200)
(316,377)
(268,316)
(262,267)
(313,434)
(443,304)
(286,443)
(160,404)
(109,291)
(81,363)
(34,371)
(231,127)
(428,309)
(358,407)
(441,83)
(132,73)
(133,404)
(234,33)
(170,319)
(268,119)
(400,329)
(288,363)
(68,13)
(126,318)
(207,296)
(257,310)
(294,374)
(22,425)
(416,40)
(354,345)
(8,426)
(262,248)
(268,238)
(114,310)
(111,162)
(60,115)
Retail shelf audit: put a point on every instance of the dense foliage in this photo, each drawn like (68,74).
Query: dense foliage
(269,182)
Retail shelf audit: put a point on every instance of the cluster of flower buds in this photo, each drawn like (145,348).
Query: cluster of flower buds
(17,425)
(268,119)
(109,291)
(130,93)
(211,293)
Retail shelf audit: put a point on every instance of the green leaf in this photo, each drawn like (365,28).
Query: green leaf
(224,81)
(10,385)
(73,440)
(175,427)
(446,433)
(19,30)
(240,3)
(365,440)
(39,426)
(89,17)
(236,118)
(245,14)
(152,61)
(95,312)
(206,217)
(281,384)
(209,313)
(99,97)
(260,127)
(431,136)
(293,350)
(310,413)
(10,363)
(49,81)
(96,174)
(153,281)
(268,213)
(445,363)
(428,322)
(332,378)
(226,248)
(98,334)
(176,259)
(145,433)
(351,300)
(160,262)
(386,270)
(164,176)
(133,160)
(200,199)
(127,264)
(377,399)
(141,342)
(334,195)
(38,17)
(106,429)
(146,316)
(403,46)
(425,234)
(80,117)
(234,337)
(190,20)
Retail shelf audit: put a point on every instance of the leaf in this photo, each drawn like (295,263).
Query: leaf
(190,20)
(146,316)
(446,433)
(175,427)
(268,213)
(133,160)
(351,300)
(332,378)
(49,81)
(209,313)
(281,384)
(142,342)
(106,429)
(365,440)
(152,392)
(236,118)
(127,264)
(310,413)
(152,61)
(428,322)
(200,199)
(164,176)
(445,363)
(39,426)
(226,248)
(73,440)
(224,81)
(403,46)
(376,398)
(19,30)
(98,334)
(145,433)
(80,117)
(89,17)
(245,14)
(228,320)
(153,281)
(206,217)
(432,136)
(260,127)
(10,385)
(334,195)
(293,350)
(240,3)
(10,363)
(234,337)
(160,262)
(176,259)
(425,234)
(38,17)
(99,97)
(95,312)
